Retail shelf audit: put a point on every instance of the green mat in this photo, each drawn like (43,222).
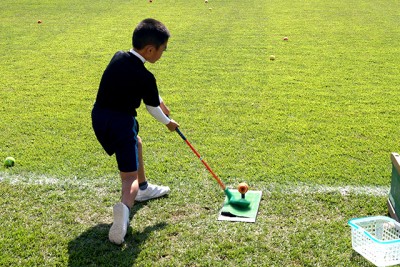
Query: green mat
(232,213)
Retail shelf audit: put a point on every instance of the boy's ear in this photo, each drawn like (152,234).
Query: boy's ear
(150,49)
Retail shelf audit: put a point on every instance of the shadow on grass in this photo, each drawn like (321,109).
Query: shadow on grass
(360,260)
(92,248)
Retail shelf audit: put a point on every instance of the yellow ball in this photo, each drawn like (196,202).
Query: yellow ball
(243,188)
(9,162)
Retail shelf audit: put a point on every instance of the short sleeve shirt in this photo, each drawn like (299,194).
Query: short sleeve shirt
(125,83)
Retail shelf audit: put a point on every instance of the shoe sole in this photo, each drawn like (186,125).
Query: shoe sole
(118,228)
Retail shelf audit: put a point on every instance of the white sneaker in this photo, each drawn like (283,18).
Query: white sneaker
(152,191)
(120,224)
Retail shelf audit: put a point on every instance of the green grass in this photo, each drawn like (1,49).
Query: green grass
(324,113)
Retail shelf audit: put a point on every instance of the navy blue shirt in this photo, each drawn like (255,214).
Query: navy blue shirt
(125,83)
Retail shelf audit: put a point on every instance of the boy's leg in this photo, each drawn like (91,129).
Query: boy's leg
(121,210)
(141,172)
(147,191)
(130,187)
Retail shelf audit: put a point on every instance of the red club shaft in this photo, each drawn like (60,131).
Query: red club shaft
(199,156)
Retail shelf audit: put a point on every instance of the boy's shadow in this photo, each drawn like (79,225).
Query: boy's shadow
(92,248)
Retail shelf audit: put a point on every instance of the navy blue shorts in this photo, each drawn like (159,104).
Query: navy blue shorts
(117,133)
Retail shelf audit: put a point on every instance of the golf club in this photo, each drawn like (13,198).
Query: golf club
(242,202)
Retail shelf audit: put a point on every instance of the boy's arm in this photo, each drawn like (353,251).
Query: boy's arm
(172,124)
(159,115)
(163,107)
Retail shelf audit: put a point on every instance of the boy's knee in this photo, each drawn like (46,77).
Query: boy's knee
(129,176)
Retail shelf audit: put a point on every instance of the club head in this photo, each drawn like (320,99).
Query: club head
(239,203)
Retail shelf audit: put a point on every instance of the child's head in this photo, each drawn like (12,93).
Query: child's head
(150,32)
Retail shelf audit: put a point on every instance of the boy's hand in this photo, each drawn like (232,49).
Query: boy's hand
(172,125)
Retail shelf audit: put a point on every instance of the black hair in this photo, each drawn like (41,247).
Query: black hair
(149,32)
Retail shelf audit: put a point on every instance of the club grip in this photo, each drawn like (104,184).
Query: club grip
(180,134)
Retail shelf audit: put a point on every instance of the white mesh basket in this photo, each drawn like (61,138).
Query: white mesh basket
(377,239)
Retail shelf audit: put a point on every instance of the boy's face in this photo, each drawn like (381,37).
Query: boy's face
(155,54)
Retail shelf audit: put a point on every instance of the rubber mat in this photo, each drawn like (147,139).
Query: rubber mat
(233,213)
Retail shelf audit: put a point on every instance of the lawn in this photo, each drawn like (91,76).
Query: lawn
(313,129)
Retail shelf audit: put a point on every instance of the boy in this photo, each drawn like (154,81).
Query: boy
(124,84)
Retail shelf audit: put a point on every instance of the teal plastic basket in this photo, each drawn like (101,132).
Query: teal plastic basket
(377,239)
